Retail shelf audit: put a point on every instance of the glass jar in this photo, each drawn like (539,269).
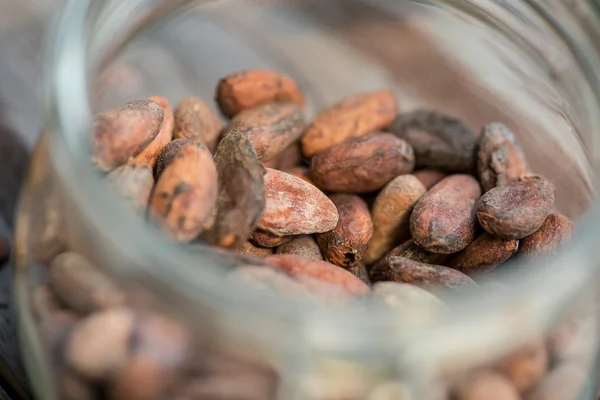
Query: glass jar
(533,64)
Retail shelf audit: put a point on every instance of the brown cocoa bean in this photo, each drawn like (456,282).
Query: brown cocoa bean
(271,128)
(134,183)
(563,382)
(429,177)
(555,232)
(268,239)
(74,387)
(486,385)
(362,165)
(250,88)
(99,344)
(295,207)
(150,154)
(428,276)
(518,209)
(500,159)
(345,244)
(325,281)
(360,271)
(391,212)
(352,117)
(124,132)
(247,248)
(300,172)
(440,142)
(289,158)
(81,286)
(241,198)
(169,152)
(443,220)
(408,249)
(195,120)
(302,245)
(185,194)
(526,366)
(483,255)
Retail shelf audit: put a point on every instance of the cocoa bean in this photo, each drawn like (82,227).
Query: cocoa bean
(150,154)
(302,245)
(483,255)
(428,276)
(555,232)
(195,120)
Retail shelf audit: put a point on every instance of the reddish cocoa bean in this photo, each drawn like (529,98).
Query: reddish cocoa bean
(195,120)
(391,213)
(526,366)
(363,164)
(500,159)
(295,207)
(241,198)
(134,182)
(86,351)
(271,128)
(247,248)
(408,249)
(352,117)
(250,88)
(124,132)
(429,177)
(428,276)
(440,142)
(185,194)
(151,153)
(345,244)
(443,220)
(483,255)
(518,209)
(81,286)
(302,245)
(325,281)
(268,239)
(555,232)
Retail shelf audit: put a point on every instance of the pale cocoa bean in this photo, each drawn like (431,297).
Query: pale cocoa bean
(134,183)
(443,220)
(352,117)
(391,212)
(302,245)
(81,286)
(518,209)
(295,207)
(98,345)
(406,297)
(363,164)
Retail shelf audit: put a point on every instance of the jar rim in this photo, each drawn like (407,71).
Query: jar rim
(472,326)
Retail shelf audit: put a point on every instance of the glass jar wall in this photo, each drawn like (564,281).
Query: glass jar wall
(161,320)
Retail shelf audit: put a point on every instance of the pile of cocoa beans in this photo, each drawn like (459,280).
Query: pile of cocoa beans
(362,202)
